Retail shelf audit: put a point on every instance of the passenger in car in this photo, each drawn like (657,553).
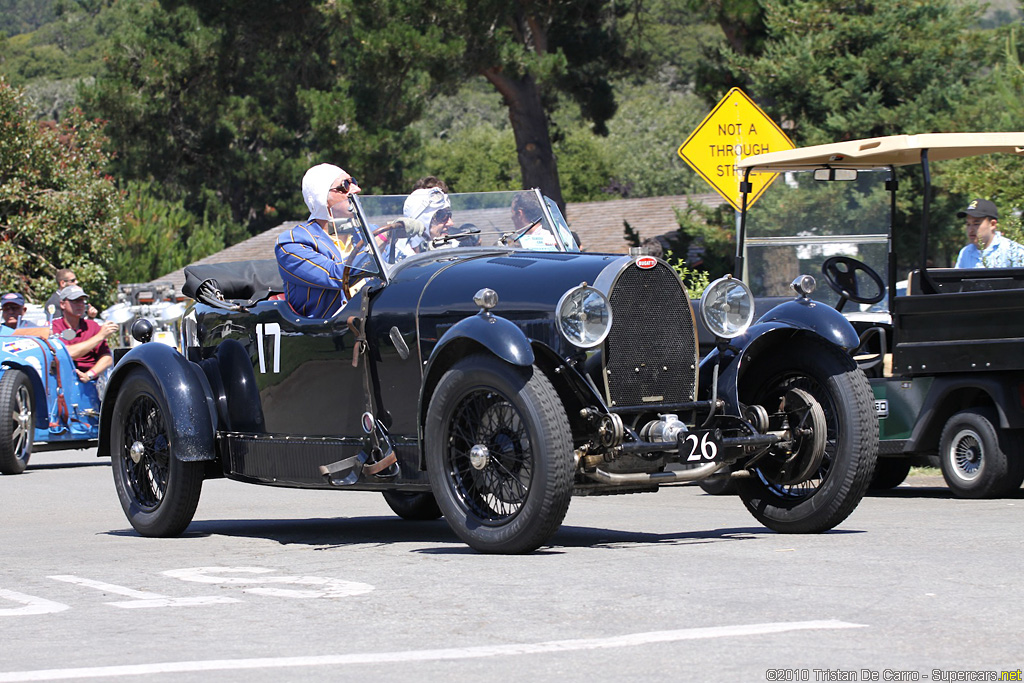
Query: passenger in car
(85,338)
(313,262)
(987,248)
(13,309)
(431,207)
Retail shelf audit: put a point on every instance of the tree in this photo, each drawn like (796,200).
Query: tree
(57,208)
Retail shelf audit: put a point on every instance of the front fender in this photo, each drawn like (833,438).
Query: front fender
(774,333)
(815,317)
(495,334)
(186,393)
(499,336)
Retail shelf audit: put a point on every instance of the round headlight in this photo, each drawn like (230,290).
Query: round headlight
(727,307)
(584,316)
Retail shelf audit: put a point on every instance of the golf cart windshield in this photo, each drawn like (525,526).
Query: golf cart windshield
(801,221)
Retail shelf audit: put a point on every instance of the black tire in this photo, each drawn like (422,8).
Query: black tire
(413,506)
(18,429)
(851,445)
(974,461)
(719,485)
(511,494)
(889,473)
(158,492)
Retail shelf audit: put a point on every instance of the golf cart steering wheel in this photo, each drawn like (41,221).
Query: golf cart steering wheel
(841,275)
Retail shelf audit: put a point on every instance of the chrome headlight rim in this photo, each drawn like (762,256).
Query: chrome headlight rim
(583,290)
(715,291)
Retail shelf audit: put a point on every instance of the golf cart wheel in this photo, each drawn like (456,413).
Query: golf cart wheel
(974,461)
(889,473)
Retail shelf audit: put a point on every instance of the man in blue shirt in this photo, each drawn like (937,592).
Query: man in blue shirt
(312,262)
(986,248)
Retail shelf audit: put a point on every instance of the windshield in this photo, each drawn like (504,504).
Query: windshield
(430,220)
(799,222)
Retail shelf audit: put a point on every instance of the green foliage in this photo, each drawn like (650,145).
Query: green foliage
(159,236)
(696,280)
(839,70)
(57,208)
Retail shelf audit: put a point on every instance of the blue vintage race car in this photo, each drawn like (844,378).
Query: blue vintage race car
(49,407)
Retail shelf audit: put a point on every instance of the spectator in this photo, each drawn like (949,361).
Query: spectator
(986,248)
(65,277)
(13,309)
(85,338)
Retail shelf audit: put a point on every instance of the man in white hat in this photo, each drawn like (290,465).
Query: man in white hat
(312,264)
(85,338)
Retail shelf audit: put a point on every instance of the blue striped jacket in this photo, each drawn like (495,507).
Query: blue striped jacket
(311,266)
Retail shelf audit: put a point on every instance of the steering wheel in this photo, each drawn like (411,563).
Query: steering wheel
(841,275)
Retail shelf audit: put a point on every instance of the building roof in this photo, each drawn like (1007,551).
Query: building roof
(599,226)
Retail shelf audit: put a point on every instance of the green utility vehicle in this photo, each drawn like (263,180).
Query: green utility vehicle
(944,349)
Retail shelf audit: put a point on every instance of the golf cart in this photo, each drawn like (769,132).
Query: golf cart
(943,355)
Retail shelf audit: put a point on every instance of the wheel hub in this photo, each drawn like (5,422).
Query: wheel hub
(136,452)
(479,456)
(967,454)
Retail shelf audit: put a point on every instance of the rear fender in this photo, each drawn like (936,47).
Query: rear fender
(186,393)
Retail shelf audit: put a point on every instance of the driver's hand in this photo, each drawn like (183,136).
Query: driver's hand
(412,227)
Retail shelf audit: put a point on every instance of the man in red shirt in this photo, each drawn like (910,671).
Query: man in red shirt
(85,339)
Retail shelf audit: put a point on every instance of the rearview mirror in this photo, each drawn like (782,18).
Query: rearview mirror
(835,174)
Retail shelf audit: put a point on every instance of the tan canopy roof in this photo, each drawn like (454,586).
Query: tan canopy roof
(894,150)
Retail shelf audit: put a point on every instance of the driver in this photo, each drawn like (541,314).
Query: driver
(312,264)
(526,210)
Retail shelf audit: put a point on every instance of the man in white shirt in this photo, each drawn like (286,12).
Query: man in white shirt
(986,248)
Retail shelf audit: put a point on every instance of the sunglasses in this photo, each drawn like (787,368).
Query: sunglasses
(345,184)
(441,216)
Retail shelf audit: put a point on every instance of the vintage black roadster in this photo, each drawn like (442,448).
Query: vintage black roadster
(488,377)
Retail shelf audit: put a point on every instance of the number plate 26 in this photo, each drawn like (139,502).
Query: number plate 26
(699,446)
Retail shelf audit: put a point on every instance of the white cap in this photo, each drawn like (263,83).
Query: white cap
(422,204)
(316,185)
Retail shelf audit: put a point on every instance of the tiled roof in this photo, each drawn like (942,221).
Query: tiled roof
(599,226)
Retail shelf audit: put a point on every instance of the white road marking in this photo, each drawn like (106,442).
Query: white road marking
(32,605)
(142,599)
(319,586)
(628,640)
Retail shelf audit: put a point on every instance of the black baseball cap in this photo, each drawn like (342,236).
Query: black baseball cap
(979,208)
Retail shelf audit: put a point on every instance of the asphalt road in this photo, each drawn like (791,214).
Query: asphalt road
(274,584)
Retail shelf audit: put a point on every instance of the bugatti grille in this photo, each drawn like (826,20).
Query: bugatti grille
(650,354)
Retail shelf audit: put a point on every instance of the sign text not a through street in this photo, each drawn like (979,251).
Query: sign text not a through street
(734,129)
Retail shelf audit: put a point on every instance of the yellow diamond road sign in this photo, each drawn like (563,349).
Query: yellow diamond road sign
(734,129)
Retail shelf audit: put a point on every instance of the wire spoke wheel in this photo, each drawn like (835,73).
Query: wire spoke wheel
(146,456)
(499,454)
(158,492)
(493,480)
(813,481)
